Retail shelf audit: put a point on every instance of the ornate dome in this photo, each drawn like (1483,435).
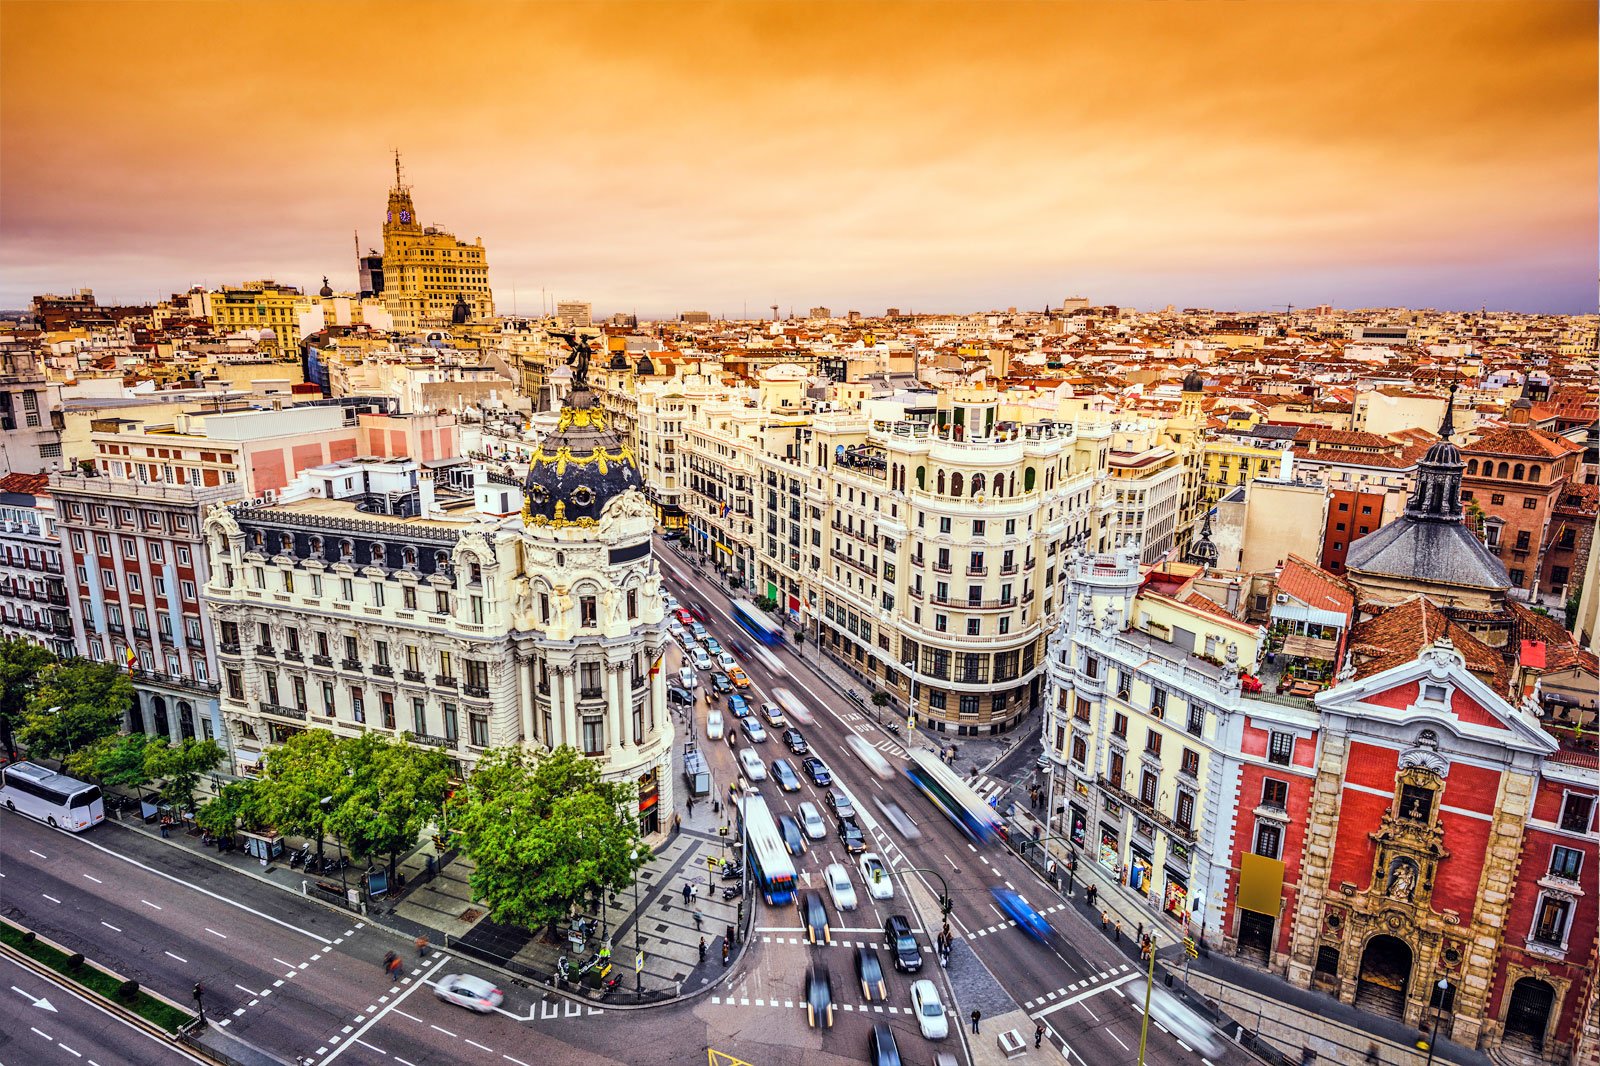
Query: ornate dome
(1194,381)
(579,468)
(326,290)
(460,312)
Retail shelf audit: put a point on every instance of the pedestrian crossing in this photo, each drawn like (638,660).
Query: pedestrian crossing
(987,787)
(1094,980)
(790,1004)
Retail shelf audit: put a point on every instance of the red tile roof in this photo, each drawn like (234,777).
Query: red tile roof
(1398,635)
(1315,587)
(1530,443)
(26,484)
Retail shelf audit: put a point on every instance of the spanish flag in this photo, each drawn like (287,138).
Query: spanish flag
(130,657)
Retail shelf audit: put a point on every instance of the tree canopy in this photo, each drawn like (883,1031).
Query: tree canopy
(20,665)
(395,790)
(74,703)
(299,774)
(545,832)
(234,807)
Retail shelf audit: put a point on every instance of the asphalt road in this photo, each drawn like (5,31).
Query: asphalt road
(43,1022)
(1075,987)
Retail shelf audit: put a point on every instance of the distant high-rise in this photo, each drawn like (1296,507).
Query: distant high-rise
(425,268)
(369,271)
(694,316)
(575,312)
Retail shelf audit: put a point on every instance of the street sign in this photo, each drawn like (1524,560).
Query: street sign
(1191,948)
(911,722)
(638,962)
(713,864)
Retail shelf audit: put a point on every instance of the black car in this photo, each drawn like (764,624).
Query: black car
(870,972)
(814,916)
(881,1048)
(720,683)
(850,835)
(840,805)
(903,946)
(817,770)
(677,694)
(793,838)
(796,742)
(819,997)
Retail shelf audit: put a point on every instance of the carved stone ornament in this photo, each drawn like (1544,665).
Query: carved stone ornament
(1426,759)
(1402,882)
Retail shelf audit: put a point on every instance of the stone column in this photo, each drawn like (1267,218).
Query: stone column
(617,697)
(1316,870)
(524,668)
(657,711)
(571,727)
(558,710)
(174,726)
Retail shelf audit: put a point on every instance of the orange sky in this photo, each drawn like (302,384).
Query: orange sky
(936,156)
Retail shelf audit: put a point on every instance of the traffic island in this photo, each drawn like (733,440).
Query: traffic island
(109,988)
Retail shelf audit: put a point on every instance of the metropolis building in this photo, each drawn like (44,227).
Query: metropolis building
(380,601)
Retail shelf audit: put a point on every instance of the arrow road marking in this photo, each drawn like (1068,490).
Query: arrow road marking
(39,1001)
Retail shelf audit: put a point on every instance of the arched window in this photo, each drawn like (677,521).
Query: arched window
(1472,467)
(977,485)
(257,541)
(316,544)
(347,550)
(1517,472)
(956,485)
(1533,473)
(922,478)
(1503,470)
(1029,476)
(941,482)
(378,553)
(408,555)
(441,559)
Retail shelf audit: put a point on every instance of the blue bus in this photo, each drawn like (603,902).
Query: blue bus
(769,859)
(953,796)
(756,623)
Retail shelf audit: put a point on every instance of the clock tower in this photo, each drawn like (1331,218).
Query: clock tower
(427,272)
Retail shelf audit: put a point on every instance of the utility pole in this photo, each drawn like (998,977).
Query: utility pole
(1149,987)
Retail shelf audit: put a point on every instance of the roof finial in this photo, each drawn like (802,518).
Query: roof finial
(1447,428)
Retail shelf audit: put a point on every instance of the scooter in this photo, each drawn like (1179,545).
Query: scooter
(733,891)
(730,871)
(609,985)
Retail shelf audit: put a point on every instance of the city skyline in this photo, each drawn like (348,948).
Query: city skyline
(644,159)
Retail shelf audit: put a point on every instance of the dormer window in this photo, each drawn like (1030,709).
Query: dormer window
(347,551)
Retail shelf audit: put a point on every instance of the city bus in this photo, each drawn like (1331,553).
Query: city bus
(769,859)
(952,795)
(756,622)
(64,802)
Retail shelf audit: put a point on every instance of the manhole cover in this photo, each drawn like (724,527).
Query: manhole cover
(471,914)
(645,875)
(661,928)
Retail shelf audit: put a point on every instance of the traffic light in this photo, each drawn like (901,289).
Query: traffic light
(946,905)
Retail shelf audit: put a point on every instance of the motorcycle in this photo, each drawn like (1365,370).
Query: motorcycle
(733,892)
(609,985)
(730,872)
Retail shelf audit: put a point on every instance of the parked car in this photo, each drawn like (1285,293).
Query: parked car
(784,775)
(680,695)
(840,889)
(814,916)
(811,821)
(929,1009)
(753,730)
(881,1048)
(465,990)
(794,841)
(903,946)
(774,715)
(714,726)
(795,742)
(819,997)
(869,970)
(875,875)
(850,835)
(752,765)
(818,771)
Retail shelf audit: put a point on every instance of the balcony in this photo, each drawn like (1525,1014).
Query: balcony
(941,568)
(974,605)
(1008,571)
(293,654)
(977,571)
(196,643)
(444,681)
(322,660)
(413,675)
(477,692)
(427,740)
(353,665)
(383,669)
(229,647)
(115,627)
(1184,833)
(265,651)
(855,563)
(280,711)
(58,599)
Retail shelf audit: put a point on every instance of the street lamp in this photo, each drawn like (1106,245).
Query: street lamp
(1441,990)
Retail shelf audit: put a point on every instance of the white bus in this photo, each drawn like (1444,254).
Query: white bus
(64,802)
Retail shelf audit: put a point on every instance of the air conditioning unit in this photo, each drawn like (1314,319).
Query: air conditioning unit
(1281,598)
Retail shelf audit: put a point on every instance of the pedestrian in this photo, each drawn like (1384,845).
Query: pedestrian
(677,823)
(1105,920)
(1141,932)
(1038,1034)
(725,953)
(727,936)
(688,891)
(691,806)
(976,1014)
(1090,893)
(1116,930)
(1373,1056)
(394,967)
(702,946)
(422,946)
(697,919)
(387,959)
(166,827)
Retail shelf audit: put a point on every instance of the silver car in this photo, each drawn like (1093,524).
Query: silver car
(465,990)
(811,821)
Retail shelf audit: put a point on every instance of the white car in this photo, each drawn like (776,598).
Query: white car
(792,706)
(774,715)
(473,993)
(726,662)
(811,821)
(839,887)
(687,678)
(869,756)
(1178,1018)
(676,629)
(750,761)
(875,875)
(714,726)
(702,661)
(929,1009)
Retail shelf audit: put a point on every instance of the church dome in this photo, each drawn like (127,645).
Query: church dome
(579,468)
(1194,381)
(326,290)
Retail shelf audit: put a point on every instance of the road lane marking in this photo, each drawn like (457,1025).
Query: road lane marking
(1087,993)
(196,888)
(247,991)
(1118,1039)
(446,1032)
(180,958)
(519,1062)
(41,855)
(111,927)
(280,962)
(43,1034)
(96,880)
(374,1047)
(49,897)
(213,932)
(479,1046)
(74,1054)
(147,903)
(440,962)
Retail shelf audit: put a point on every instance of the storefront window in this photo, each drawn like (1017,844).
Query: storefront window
(1139,872)
(1079,826)
(1108,848)
(1176,900)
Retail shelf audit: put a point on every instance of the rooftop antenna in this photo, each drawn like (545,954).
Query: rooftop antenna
(397,182)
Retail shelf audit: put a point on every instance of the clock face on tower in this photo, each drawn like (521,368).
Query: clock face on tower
(388,216)
(405,216)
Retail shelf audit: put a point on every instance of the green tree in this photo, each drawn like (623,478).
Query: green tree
(545,833)
(396,789)
(20,665)
(74,703)
(180,768)
(300,773)
(122,761)
(234,807)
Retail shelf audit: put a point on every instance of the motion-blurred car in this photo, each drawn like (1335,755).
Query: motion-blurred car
(814,916)
(785,776)
(792,706)
(794,841)
(1181,1020)
(903,946)
(875,875)
(1018,910)
(929,1009)
(818,771)
(839,887)
(897,817)
(870,757)
(714,726)
(811,821)
(465,990)
(881,1048)
(819,997)
(752,765)
(869,971)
